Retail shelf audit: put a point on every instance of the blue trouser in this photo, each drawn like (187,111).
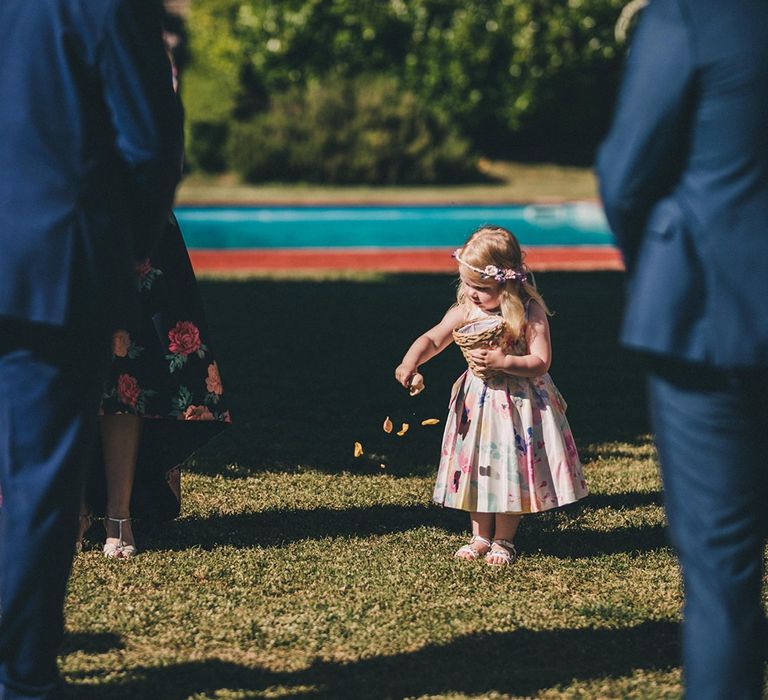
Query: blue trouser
(711,431)
(49,391)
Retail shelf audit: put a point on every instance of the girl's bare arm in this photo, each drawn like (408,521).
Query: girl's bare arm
(429,344)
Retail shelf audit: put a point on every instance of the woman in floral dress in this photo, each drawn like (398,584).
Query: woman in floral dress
(163,399)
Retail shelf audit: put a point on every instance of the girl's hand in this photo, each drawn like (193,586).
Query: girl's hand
(489,358)
(404,373)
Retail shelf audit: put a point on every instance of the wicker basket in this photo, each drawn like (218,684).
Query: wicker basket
(480,333)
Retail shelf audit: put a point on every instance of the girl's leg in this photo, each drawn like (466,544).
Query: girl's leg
(506,526)
(120,444)
(482,532)
(502,551)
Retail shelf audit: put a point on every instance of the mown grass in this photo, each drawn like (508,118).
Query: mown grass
(298,571)
(506,182)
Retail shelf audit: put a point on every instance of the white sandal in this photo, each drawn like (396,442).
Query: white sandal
(119,550)
(470,550)
(504,553)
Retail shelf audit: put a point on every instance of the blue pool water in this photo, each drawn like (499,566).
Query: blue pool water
(580,223)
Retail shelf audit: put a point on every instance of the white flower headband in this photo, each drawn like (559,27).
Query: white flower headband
(500,274)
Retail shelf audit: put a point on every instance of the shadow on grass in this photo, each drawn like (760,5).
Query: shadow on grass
(625,501)
(281,527)
(308,368)
(523,662)
(90,642)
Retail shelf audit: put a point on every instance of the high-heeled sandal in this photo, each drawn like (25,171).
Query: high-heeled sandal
(119,549)
(85,520)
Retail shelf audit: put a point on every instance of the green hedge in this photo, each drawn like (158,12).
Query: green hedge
(509,74)
(365,130)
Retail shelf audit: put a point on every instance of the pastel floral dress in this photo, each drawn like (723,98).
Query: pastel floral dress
(164,370)
(507,446)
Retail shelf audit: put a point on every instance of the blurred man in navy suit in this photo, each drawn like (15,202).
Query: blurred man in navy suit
(684,181)
(89,161)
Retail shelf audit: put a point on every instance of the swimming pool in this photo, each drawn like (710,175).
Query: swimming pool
(227,228)
(243,239)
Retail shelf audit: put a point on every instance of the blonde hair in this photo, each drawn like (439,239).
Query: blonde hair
(496,246)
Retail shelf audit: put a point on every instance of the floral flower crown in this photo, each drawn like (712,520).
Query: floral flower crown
(500,274)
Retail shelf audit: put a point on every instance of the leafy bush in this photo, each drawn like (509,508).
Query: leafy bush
(514,76)
(207,141)
(351,131)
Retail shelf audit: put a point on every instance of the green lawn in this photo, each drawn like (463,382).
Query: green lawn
(507,182)
(297,571)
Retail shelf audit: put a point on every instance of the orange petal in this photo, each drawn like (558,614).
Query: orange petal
(430,421)
(387,425)
(403,430)
(358,450)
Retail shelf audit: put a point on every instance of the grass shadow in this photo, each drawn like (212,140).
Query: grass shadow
(521,662)
(277,528)
(90,642)
(625,501)
(587,543)
(308,368)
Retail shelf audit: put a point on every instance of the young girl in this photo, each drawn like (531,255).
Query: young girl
(507,448)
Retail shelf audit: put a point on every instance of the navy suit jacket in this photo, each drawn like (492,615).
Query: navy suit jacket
(90,147)
(684,181)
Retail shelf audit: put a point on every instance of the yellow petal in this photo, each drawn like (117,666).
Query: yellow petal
(358,450)
(387,425)
(430,421)
(403,430)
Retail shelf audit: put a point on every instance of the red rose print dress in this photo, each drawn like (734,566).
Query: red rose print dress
(163,370)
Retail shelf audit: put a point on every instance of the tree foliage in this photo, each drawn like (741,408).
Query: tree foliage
(495,68)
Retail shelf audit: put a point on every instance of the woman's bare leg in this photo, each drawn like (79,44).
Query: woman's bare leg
(120,444)
(84,521)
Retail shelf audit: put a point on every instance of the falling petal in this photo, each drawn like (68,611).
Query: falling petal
(383,466)
(403,430)
(358,450)
(387,425)
(430,421)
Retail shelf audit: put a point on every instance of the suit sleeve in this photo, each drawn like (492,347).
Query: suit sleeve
(146,114)
(641,159)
